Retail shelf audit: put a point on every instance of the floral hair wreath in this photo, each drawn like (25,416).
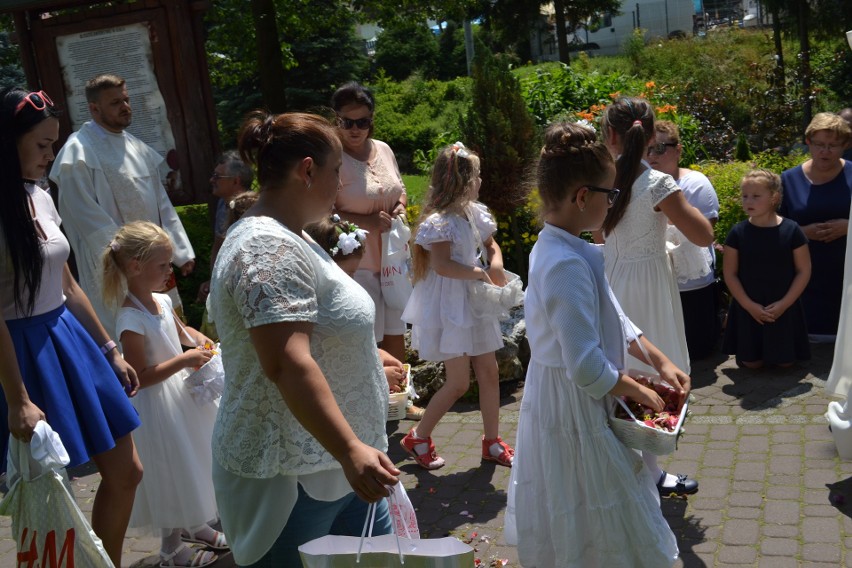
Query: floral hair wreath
(586,124)
(350,236)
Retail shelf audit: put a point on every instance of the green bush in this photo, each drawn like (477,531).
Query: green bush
(197,223)
(726,177)
(416,114)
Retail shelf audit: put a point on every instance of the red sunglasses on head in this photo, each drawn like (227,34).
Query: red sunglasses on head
(38,100)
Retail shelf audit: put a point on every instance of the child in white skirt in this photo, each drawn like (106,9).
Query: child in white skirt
(176,494)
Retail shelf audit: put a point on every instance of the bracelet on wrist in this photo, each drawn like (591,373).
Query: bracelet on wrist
(108,346)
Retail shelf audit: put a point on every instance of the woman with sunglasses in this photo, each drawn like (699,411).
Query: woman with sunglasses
(817,196)
(634,230)
(698,289)
(371,195)
(58,364)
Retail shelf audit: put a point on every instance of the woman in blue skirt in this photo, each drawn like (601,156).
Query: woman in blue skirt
(58,363)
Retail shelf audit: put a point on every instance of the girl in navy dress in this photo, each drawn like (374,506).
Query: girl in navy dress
(58,364)
(767,266)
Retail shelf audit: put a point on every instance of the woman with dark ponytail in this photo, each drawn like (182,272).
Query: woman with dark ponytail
(58,364)
(634,230)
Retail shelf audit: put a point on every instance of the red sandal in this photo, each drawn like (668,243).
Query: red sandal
(506,456)
(427,460)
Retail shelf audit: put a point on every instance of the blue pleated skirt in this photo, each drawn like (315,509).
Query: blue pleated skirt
(68,377)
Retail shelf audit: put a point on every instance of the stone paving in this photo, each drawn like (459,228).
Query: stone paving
(756,440)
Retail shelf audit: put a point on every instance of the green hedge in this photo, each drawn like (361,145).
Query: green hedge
(725,178)
(197,223)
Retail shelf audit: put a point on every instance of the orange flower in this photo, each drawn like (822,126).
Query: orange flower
(615,95)
(650,85)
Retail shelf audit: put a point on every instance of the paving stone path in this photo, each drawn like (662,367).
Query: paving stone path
(756,440)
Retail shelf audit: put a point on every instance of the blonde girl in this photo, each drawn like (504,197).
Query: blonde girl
(454,245)
(176,494)
(578,496)
(767,266)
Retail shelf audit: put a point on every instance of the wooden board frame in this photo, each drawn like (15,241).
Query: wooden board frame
(180,66)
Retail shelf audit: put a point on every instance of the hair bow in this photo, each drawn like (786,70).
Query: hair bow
(460,149)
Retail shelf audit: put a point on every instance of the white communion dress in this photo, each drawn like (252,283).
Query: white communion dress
(173,441)
(578,497)
(640,272)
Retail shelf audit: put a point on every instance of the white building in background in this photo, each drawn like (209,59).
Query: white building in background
(606,34)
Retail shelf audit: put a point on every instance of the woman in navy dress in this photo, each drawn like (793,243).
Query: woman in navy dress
(817,196)
(58,363)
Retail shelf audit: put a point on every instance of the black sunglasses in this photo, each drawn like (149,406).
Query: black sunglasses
(360,123)
(660,148)
(611,194)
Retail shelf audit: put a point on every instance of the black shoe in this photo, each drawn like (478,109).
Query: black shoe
(683,486)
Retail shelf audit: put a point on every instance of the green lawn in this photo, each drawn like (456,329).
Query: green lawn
(415,187)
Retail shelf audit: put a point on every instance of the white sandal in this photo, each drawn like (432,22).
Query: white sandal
(219,543)
(199,558)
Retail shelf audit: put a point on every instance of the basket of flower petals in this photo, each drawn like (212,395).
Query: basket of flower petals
(645,429)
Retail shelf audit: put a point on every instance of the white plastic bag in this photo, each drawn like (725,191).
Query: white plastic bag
(47,525)
(396,264)
(402,512)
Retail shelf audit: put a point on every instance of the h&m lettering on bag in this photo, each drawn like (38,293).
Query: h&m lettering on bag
(31,559)
(391,270)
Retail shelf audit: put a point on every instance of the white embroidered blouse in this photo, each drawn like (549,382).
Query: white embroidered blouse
(266,274)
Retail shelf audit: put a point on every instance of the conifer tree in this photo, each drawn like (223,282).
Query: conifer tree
(499,127)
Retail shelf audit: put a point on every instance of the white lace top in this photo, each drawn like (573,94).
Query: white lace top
(266,274)
(640,235)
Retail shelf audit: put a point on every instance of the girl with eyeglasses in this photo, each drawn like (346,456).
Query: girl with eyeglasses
(58,363)
(634,230)
(817,196)
(578,497)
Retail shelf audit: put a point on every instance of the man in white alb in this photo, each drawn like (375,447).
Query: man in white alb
(108,177)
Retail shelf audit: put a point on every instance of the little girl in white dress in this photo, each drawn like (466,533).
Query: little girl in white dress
(453,247)
(176,494)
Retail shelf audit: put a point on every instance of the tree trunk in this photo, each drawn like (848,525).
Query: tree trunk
(269,58)
(561,32)
(780,79)
(805,49)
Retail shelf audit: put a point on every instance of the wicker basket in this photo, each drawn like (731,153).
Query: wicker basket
(399,400)
(639,436)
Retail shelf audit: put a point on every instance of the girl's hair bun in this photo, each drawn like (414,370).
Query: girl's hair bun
(568,138)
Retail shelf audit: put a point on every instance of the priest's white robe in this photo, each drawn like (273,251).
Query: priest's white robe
(105,180)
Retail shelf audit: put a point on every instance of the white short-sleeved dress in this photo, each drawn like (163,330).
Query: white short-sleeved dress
(173,441)
(578,497)
(442,324)
(267,274)
(640,272)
